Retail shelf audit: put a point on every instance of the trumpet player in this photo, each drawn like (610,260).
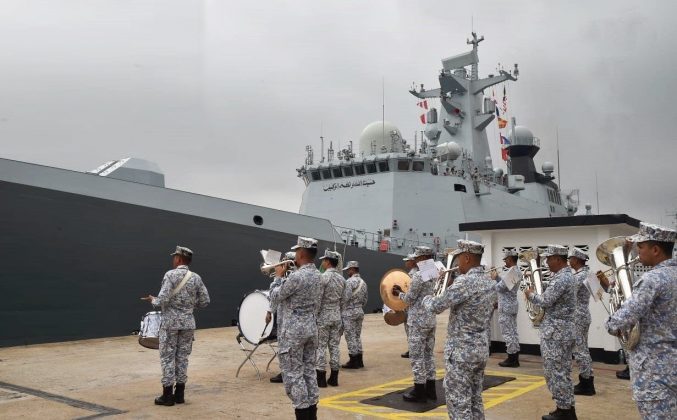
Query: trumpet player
(329,328)
(411,267)
(557,331)
(653,369)
(507,307)
(421,338)
(470,300)
(577,262)
(277,309)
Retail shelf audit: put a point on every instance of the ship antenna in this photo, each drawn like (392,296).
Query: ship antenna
(597,192)
(475,42)
(383,106)
(559,178)
(321,142)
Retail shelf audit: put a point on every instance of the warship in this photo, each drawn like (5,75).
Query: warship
(80,249)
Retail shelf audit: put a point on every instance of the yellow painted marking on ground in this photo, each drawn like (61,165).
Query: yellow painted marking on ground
(350,401)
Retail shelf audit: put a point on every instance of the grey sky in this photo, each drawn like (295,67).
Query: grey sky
(224,96)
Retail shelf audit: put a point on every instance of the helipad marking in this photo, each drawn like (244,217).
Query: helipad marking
(350,401)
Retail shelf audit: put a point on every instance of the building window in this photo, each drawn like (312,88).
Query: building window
(402,165)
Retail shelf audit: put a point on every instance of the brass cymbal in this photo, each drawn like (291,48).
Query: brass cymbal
(391,278)
(395,318)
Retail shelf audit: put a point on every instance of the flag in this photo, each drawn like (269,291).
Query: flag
(505,101)
(502,123)
(504,140)
(504,154)
(422,117)
(498,113)
(423,104)
(504,150)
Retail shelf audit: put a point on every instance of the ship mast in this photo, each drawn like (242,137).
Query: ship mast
(474,72)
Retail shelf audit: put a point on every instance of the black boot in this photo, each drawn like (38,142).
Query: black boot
(277,379)
(561,414)
(312,412)
(321,378)
(416,395)
(623,374)
(352,363)
(167,397)
(333,378)
(512,361)
(302,413)
(430,391)
(360,364)
(405,355)
(585,386)
(178,393)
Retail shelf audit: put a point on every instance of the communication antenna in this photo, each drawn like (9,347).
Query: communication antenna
(383,106)
(559,178)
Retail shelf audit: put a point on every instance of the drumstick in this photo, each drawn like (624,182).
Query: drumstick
(264,331)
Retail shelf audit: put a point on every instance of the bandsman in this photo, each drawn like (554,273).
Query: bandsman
(278,311)
(507,287)
(411,267)
(577,261)
(354,298)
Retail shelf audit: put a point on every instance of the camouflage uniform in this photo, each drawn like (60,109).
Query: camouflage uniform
(471,301)
(582,321)
(329,328)
(406,310)
(507,313)
(298,296)
(652,363)
(557,333)
(421,336)
(354,298)
(178,324)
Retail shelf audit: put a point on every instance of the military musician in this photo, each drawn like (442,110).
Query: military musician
(506,288)
(557,331)
(653,370)
(355,297)
(411,267)
(277,310)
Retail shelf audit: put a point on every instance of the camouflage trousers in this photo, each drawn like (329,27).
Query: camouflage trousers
(352,329)
(557,369)
(508,324)
(329,335)
(421,345)
(658,409)
(297,362)
(463,384)
(581,351)
(175,346)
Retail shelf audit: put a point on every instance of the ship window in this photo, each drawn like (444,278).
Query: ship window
(418,165)
(337,173)
(423,233)
(371,168)
(315,175)
(258,220)
(359,169)
(402,165)
(348,171)
(459,187)
(326,174)
(383,166)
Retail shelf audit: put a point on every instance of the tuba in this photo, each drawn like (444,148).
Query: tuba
(533,281)
(614,253)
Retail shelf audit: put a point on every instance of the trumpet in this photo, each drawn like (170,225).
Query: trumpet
(532,281)
(269,269)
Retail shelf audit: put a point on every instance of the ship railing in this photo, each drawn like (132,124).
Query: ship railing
(375,241)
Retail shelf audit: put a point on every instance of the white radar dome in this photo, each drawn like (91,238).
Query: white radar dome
(523,136)
(548,168)
(449,151)
(380,134)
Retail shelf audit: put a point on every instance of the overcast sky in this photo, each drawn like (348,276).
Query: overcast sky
(224,95)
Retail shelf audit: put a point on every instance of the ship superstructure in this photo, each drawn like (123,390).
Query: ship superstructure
(394,195)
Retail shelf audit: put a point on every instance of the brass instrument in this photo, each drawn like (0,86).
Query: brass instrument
(616,254)
(533,280)
(446,277)
(391,278)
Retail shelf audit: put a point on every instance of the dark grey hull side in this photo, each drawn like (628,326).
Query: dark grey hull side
(74,266)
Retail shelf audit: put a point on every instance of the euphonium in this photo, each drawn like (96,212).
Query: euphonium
(446,277)
(532,281)
(614,253)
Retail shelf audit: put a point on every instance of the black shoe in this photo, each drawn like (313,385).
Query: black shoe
(312,412)
(178,393)
(333,378)
(561,414)
(360,364)
(415,395)
(321,378)
(405,355)
(513,361)
(585,386)
(623,374)
(430,390)
(352,363)
(167,397)
(301,413)
(277,379)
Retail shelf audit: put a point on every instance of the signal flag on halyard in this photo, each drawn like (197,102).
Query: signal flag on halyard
(422,118)
(505,101)
(504,150)
(423,104)
(502,123)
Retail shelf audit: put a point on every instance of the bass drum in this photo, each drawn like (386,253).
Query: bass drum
(149,333)
(251,318)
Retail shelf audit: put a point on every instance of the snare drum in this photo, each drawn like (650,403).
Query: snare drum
(149,333)
(251,317)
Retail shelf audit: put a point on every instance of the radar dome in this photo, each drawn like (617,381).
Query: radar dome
(523,136)
(548,168)
(380,134)
(449,151)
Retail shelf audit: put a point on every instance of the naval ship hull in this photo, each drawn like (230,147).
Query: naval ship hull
(75,266)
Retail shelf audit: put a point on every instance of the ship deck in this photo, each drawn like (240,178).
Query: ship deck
(118,378)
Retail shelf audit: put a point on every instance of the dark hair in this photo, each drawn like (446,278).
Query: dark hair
(512,257)
(185,259)
(666,247)
(332,261)
(310,252)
